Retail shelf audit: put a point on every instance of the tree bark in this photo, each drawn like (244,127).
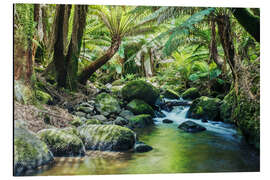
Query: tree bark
(88,71)
(224,30)
(213,46)
(75,45)
(59,57)
(66,63)
(250,22)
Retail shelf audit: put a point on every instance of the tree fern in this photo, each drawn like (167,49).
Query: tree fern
(173,43)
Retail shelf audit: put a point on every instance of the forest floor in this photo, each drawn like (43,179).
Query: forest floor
(43,117)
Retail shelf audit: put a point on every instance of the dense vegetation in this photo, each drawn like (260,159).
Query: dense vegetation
(68,54)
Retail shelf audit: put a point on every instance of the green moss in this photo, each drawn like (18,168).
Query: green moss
(27,151)
(142,90)
(62,142)
(140,107)
(191,93)
(107,137)
(43,97)
(227,107)
(206,108)
(23,93)
(107,104)
(247,117)
(140,121)
(199,110)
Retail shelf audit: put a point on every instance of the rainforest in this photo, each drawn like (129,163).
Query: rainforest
(106,89)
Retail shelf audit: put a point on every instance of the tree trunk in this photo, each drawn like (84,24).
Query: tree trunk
(59,57)
(224,30)
(152,62)
(88,71)
(66,63)
(213,46)
(250,22)
(75,45)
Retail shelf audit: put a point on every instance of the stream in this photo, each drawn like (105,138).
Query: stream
(220,148)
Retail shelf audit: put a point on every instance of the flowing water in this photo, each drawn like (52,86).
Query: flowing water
(218,149)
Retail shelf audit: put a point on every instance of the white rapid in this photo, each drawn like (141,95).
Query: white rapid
(178,116)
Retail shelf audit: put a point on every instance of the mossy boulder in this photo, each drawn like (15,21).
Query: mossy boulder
(107,137)
(247,117)
(106,104)
(63,142)
(116,90)
(205,108)
(29,151)
(138,106)
(43,97)
(227,107)
(170,94)
(142,90)
(191,93)
(140,121)
(120,121)
(23,93)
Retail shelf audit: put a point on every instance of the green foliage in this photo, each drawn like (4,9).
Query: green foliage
(24,22)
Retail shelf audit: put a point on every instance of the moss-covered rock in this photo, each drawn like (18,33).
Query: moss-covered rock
(106,104)
(23,93)
(139,89)
(63,142)
(29,151)
(138,106)
(43,97)
(140,121)
(107,137)
(247,116)
(116,90)
(191,93)
(205,108)
(170,94)
(126,114)
(227,107)
(120,121)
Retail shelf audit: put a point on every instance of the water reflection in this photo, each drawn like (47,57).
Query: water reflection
(174,151)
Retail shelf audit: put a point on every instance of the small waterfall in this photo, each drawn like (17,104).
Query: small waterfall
(179,113)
